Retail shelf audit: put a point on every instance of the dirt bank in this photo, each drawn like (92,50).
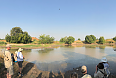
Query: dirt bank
(30,70)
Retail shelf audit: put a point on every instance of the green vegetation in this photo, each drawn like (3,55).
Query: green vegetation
(109,42)
(101,40)
(29,46)
(63,39)
(94,46)
(35,41)
(45,39)
(18,36)
(102,47)
(79,39)
(78,42)
(3,42)
(90,39)
(70,40)
(2,39)
(15,31)
(114,38)
(34,46)
(67,40)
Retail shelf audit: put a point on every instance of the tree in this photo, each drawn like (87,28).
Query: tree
(90,39)
(13,39)
(70,40)
(26,38)
(18,36)
(42,39)
(8,38)
(114,38)
(15,30)
(93,37)
(63,39)
(46,39)
(101,40)
(79,39)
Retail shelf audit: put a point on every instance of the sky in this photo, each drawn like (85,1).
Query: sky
(59,18)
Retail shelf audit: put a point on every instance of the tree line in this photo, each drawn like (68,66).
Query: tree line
(18,36)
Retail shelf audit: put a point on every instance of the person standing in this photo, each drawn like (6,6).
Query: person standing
(20,60)
(8,61)
(84,71)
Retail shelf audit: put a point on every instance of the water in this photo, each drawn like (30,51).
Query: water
(68,57)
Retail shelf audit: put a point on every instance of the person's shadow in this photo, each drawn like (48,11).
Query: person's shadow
(59,75)
(25,70)
(40,75)
(51,75)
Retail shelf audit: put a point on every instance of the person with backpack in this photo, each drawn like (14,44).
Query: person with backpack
(100,71)
(106,65)
(84,71)
(8,62)
(20,61)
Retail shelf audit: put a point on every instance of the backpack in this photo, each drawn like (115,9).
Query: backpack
(12,55)
(105,75)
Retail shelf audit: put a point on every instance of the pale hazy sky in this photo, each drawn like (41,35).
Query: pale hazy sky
(76,18)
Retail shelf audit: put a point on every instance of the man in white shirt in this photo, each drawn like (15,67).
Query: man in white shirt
(20,60)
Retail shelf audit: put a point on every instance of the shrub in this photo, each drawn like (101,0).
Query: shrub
(3,42)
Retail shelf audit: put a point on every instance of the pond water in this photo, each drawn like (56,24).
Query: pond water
(68,57)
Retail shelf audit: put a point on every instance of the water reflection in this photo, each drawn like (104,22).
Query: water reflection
(102,47)
(90,46)
(46,50)
(68,46)
(114,47)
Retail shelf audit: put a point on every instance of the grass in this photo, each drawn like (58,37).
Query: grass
(1,42)
(31,46)
(78,42)
(26,46)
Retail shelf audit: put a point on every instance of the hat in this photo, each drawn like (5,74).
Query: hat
(15,52)
(19,50)
(8,45)
(104,59)
(83,68)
